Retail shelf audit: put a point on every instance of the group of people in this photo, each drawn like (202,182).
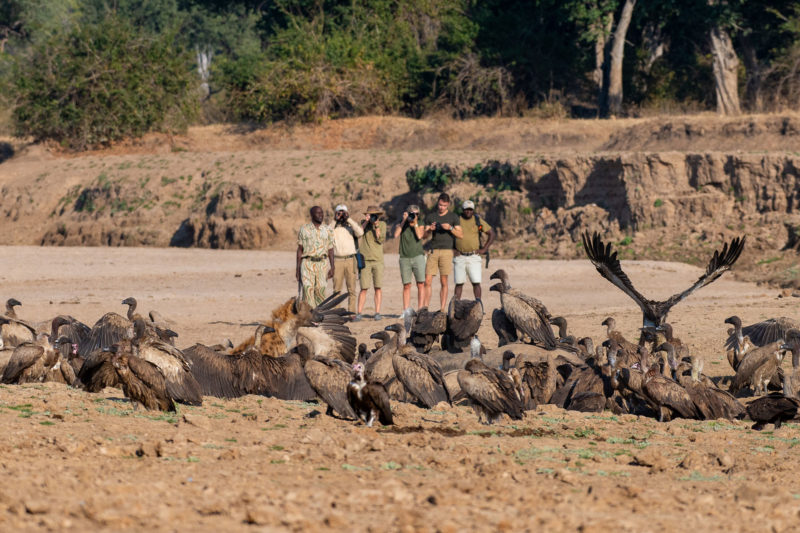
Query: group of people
(442,244)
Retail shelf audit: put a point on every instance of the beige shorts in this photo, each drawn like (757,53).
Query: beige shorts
(439,262)
(372,274)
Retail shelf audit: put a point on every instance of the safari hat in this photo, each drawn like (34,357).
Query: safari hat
(374,210)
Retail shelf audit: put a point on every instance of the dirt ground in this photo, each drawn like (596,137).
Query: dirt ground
(77,461)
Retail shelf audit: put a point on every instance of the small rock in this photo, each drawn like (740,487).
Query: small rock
(652,458)
(230,454)
(37,506)
(260,516)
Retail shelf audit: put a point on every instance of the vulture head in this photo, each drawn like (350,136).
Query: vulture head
(609,322)
(501,275)
(508,355)
(130,301)
(56,324)
(735,321)
(11,303)
(358,372)
(498,287)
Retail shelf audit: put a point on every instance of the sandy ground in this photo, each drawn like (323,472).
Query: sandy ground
(75,461)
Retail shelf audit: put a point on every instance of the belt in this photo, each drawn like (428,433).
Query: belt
(470,253)
(316,259)
(344,256)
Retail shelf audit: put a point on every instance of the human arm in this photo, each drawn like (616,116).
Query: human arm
(299,259)
(489,241)
(330,259)
(379,228)
(358,231)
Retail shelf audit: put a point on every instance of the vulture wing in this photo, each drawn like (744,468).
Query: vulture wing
(213,371)
(329,379)
(466,319)
(380,399)
(528,320)
(422,377)
(768,331)
(24,356)
(97,372)
(149,386)
(427,323)
(181,384)
(506,332)
(286,378)
(491,392)
(110,329)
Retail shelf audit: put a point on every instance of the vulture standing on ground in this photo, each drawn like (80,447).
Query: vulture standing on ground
(368,400)
(655,313)
(38,361)
(528,315)
(666,395)
(176,369)
(425,327)
(13,330)
(757,368)
(490,391)
(506,332)
(75,331)
(738,344)
(463,322)
(420,374)
(760,333)
(775,408)
(329,378)
(711,402)
(142,381)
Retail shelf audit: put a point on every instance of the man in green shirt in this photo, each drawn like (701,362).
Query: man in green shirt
(372,250)
(412,255)
(443,229)
(467,262)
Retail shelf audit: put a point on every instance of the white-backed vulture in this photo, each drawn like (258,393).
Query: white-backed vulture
(110,329)
(738,344)
(38,361)
(142,381)
(711,402)
(425,327)
(491,391)
(368,400)
(420,374)
(504,328)
(532,321)
(13,330)
(654,313)
(669,398)
(757,368)
(761,333)
(329,378)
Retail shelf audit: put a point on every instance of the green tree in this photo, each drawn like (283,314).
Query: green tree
(102,82)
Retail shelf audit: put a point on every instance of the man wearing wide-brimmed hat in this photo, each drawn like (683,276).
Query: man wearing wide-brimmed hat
(372,250)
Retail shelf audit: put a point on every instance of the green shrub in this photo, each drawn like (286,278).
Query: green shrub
(103,82)
(431,177)
(502,176)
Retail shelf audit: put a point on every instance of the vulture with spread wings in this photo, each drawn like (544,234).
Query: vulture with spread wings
(655,313)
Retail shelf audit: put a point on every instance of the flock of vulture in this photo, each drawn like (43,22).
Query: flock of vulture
(310,354)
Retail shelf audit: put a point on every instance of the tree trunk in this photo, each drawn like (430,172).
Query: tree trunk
(603,30)
(726,66)
(753,96)
(611,92)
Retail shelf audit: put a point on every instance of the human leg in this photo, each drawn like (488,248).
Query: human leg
(420,294)
(351,272)
(473,272)
(407,296)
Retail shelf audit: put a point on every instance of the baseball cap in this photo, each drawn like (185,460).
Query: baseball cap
(341,207)
(468,204)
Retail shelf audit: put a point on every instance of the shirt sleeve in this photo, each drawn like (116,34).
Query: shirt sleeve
(358,231)
(455,220)
(301,236)
(485,227)
(329,240)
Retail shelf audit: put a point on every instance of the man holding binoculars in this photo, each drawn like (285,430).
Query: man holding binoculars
(443,227)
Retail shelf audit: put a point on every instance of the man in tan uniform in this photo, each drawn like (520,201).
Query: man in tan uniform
(314,254)
(345,232)
(467,262)
(372,248)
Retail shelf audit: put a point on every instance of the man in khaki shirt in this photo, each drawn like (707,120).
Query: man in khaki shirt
(372,248)
(345,232)
(467,261)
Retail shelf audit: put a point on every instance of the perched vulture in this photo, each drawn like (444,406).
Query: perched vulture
(368,400)
(490,391)
(758,367)
(655,313)
(420,374)
(329,378)
(463,322)
(505,329)
(142,382)
(38,361)
(760,333)
(738,344)
(110,329)
(775,408)
(425,328)
(13,330)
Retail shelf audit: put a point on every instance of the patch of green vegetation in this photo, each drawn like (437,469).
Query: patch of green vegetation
(276,447)
(277,462)
(391,465)
(626,241)
(47,423)
(768,261)
(658,203)
(697,476)
(165,180)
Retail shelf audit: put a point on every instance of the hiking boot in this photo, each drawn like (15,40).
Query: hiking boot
(378,316)
(357,317)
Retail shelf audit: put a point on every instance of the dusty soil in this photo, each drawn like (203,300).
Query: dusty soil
(75,461)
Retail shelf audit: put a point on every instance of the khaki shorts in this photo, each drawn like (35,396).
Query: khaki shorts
(372,274)
(412,266)
(439,262)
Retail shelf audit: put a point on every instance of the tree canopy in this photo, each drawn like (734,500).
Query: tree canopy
(86,72)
